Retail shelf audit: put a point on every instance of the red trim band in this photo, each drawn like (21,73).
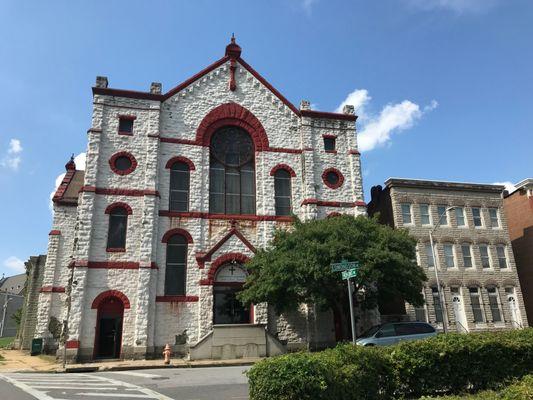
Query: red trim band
(240,217)
(333,203)
(72,344)
(55,232)
(115,250)
(52,289)
(176,299)
(120,192)
(328,115)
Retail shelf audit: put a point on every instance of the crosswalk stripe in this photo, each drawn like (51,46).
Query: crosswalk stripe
(140,374)
(28,389)
(145,396)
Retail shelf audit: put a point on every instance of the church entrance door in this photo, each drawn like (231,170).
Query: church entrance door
(108,340)
(227,309)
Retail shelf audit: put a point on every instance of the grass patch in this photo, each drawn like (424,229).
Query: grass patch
(5,342)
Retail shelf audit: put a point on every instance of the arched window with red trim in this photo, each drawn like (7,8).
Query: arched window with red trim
(282,192)
(176,265)
(179,187)
(118,225)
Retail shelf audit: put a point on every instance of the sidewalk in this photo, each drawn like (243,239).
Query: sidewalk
(18,361)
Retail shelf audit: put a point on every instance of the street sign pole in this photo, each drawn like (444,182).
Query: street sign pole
(352,316)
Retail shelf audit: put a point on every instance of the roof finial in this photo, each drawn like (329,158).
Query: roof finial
(71,165)
(232,37)
(233,50)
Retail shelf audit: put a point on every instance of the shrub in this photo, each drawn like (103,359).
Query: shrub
(451,363)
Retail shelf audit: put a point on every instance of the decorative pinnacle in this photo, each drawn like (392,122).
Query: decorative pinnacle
(233,50)
(71,165)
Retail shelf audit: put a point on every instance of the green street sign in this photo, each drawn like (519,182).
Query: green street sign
(351,273)
(344,266)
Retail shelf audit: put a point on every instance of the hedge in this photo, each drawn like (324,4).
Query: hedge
(445,364)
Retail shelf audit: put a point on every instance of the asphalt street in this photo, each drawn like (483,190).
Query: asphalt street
(220,383)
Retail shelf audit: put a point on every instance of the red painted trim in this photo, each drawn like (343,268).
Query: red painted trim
(195,143)
(239,217)
(331,151)
(118,204)
(55,232)
(285,167)
(232,69)
(195,77)
(180,159)
(63,186)
(356,152)
(110,264)
(176,299)
(216,264)
(268,85)
(132,117)
(125,133)
(52,289)
(201,258)
(94,130)
(339,174)
(284,150)
(327,115)
(113,159)
(120,192)
(108,294)
(132,94)
(115,250)
(235,115)
(329,136)
(72,344)
(333,203)
(176,231)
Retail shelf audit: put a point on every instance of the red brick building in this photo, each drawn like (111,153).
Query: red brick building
(519,210)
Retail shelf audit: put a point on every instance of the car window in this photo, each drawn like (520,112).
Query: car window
(424,328)
(387,330)
(370,332)
(404,329)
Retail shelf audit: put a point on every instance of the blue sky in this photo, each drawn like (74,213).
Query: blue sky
(443,87)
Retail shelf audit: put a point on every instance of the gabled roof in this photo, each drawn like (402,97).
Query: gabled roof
(233,52)
(13,284)
(67,191)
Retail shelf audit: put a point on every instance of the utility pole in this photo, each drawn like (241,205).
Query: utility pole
(6,301)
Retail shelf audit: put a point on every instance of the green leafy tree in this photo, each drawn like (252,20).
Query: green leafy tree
(17,316)
(295,268)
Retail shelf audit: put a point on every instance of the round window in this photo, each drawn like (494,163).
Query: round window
(333,178)
(122,163)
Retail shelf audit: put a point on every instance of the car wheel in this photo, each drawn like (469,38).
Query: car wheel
(369,344)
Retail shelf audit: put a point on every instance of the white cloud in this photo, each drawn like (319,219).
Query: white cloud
(508,185)
(12,158)
(457,6)
(14,263)
(376,130)
(79,160)
(307,5)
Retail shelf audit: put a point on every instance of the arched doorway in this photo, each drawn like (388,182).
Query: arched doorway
(108,335)
(227,309)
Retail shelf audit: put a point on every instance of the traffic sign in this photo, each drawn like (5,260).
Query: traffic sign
(351,273)
(344,266)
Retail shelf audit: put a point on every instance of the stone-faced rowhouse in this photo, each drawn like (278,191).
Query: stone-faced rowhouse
(179,190)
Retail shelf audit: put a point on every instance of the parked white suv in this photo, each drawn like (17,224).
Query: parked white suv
(394,332)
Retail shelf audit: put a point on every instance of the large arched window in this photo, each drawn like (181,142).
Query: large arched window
(176,266)
(179,187)
(232,172)
(282,192)
(118,225)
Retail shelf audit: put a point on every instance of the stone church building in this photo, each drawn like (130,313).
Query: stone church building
(179,190)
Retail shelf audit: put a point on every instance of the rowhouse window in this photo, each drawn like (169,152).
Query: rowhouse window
(448,255)
(494,303)
(484,253)
(429,254)
(476,215)
(282,192)
(179,187)
(424,214)
(494,221)
(502,259)
(176,265)
(125,125)
(437,305)
(329,143)
(118,224)
(442,215)
(460,216)
(232,172)
(475,301)
(406,214)
(467,255)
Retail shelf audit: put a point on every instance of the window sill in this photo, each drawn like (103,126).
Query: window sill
(331,151)
(115,250)
(176,299)
(125,133)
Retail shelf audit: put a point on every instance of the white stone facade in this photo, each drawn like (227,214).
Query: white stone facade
(167,126)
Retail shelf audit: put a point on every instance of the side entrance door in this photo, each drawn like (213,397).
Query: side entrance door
(108,339)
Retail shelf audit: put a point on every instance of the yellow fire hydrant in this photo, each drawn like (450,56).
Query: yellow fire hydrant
(167,353)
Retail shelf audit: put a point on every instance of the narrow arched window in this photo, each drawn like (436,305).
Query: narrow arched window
(118,225)
(179,187)
(282,192)
(176,266)
(231,172)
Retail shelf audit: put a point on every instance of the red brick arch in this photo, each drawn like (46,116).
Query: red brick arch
(180,159)
(235,115)
(223,259)
(176,231)
(285,167)
(118,204)
(109,294)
